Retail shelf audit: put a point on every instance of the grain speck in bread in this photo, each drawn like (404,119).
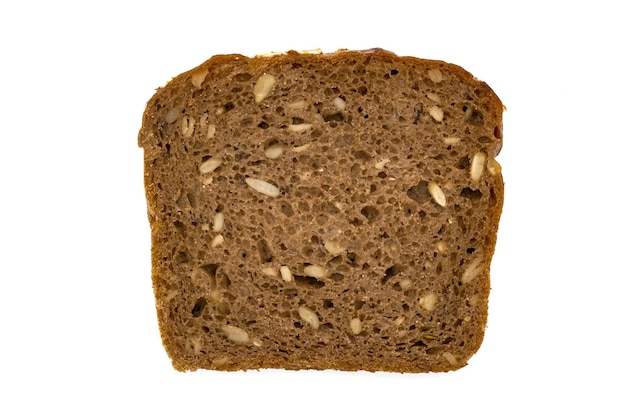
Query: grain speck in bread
(314,211)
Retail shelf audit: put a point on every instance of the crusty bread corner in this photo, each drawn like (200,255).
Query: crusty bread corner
(316,211)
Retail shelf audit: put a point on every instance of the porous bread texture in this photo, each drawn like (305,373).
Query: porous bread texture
(315,211)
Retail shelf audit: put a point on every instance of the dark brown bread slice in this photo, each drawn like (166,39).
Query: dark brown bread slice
(313,211)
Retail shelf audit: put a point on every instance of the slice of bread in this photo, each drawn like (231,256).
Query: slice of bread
(314,211)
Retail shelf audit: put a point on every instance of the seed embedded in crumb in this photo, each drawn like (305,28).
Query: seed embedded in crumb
(203,120)
(356,326)
(198,76)
(405,284)
(270,271)
(436,113)
(437,194)
(381,164)
(477,166)
(442,247)
(219,362)
(296,105)
(217,241)
(187,124)
(429,301)
(339,103)
(474,299)
(218,222)
(309,316)
(236,334)
(209,165)
(494,167)
(274,151)
(451,141)
(450,358)
(215,296)
(333,247)
(398,321)
(435,75)
(172,115)
(263,187)
(300,128)
(263,87)
(301,148)
(210,131)
(315,271)
(286,274)
(473,269)
(434,97)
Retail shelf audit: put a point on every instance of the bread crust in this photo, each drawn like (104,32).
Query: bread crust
(421,298)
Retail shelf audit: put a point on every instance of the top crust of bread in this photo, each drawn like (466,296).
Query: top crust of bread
(316,211)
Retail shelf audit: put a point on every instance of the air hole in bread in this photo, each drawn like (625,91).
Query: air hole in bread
(264,251)
(180,228)
(210,269)
(362,155)
(497,132)
(223,308)
(391,272)
(356,222)
(371,213)
(334,117)
(476,118)
(463,163)
(242,77)
(224,281)
(351,258)
(310,282)
(286,209)
(474,195)
(290,293)
(182,257)
(337,277)
(493,198)
(419,192)
(335,261)
(198,307)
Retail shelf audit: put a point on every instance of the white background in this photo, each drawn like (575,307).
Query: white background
(77,320)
